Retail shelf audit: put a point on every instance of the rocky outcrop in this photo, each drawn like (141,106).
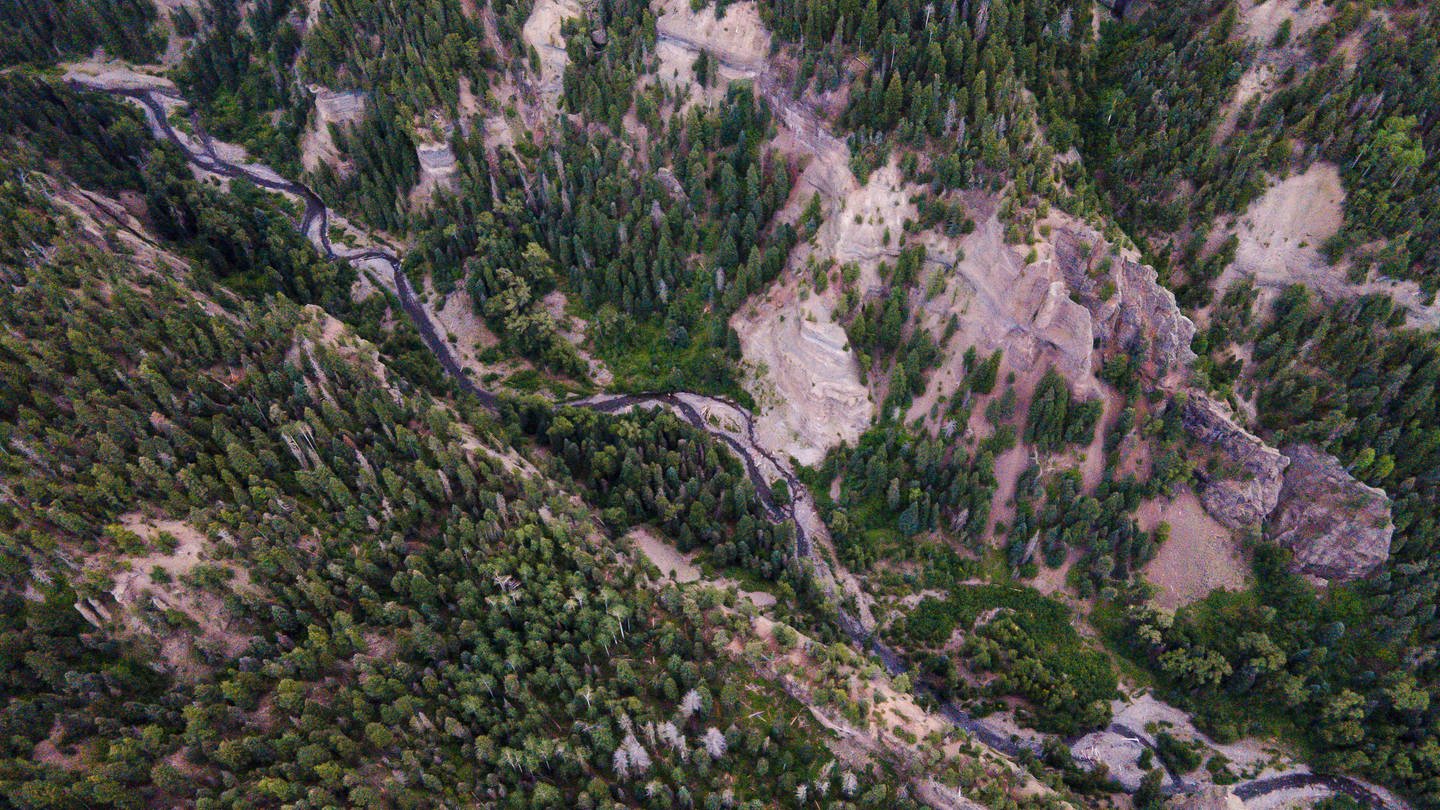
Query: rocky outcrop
(1337,527)
(437,162)
(1132,311)
(542,33)
(439,170)
(339,106)
(811,395)
(1248,487)
(332,107)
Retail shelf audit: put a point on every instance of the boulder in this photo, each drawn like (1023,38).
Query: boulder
(1251,488)
(1337,527)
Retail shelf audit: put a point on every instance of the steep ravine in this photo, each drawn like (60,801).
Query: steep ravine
(204,153)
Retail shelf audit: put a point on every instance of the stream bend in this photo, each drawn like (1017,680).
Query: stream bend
(315,225)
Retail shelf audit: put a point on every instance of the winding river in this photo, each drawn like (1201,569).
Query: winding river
(315,224)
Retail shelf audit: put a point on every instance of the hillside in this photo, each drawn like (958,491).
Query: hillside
(765,403)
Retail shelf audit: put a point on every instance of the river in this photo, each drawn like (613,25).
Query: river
(315,224)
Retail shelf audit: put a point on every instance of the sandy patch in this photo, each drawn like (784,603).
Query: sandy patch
(1120,755)
(116,75)
(1199,557)
(139,589)
(542,32)
(439,171)
(340,108)
(739,42)
(1261,19)
(335,335)
(456,318)
(573,330)
(662,555)
(175,44)
(1257,82)
(1281,233)
(1092,466)
(739,39)
(48,752)
(681,568)
(1052,581)
(1000,302)
(1009,466)
(1280,238)
(803,374)
(177,563)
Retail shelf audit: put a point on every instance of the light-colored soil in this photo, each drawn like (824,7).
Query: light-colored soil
(104,220)
(542,31)
(681,568)
(1257,82)
(317,145)
(573,330)
(48,752)
(439,172)
(1280,238)
(1118,754)
(1281,233)
(313,10)
(117,75)
(177,563)
(739,41)
(1000,302)
(135,590)
(339,337)
(1051,581)
(175,45)
(808,378)
(1200,556)
(1092,467)
(1009,466)
(804,375)
(456,316)
(1260,19)
(662,555)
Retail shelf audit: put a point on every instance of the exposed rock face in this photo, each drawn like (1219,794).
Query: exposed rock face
(542,32)
(812,398)
(1140,317)
(1243,499)
(1338,528)
(338,107)
(997,300)
(437,160)
(439,169)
